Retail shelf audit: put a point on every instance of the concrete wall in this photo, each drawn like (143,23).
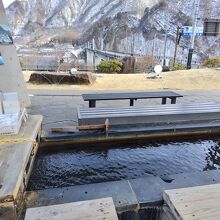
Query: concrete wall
(11,78)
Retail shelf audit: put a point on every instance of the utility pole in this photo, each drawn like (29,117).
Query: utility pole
(178,37)
(165,50)
(194,27)
(132,44)
(154,43)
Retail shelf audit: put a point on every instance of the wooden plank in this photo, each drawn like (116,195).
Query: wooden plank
(64,129)
(196,203)
(82,128)
(88,210)
(79,128)
(14,158)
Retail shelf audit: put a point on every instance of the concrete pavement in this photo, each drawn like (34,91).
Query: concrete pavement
(59,108)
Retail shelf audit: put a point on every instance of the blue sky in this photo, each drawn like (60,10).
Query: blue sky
(7,2)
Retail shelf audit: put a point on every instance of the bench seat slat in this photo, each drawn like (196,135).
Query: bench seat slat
(149,111)
(156,107)
(150,114)
(121,114)
(130,95)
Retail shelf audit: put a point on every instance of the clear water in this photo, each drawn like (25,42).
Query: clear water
(92,165)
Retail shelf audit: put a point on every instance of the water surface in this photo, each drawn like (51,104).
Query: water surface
(92,165)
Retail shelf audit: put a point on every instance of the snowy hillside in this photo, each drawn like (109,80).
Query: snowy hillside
(124,25)
(59,13)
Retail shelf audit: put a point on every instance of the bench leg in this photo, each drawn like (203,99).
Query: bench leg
(131,102)
(92,104)
(164,101)
(173,100)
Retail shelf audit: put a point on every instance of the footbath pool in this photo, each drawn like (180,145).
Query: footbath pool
(86,165)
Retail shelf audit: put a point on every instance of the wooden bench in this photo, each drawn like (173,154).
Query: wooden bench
(164,95)
(149,114)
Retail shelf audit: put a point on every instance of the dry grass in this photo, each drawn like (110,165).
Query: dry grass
(202,79)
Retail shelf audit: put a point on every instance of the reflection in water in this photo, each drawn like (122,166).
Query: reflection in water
(213,157)
(92,165)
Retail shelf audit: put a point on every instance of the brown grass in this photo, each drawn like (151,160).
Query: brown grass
(202,79)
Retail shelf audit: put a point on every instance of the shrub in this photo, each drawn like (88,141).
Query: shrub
(110,66)
(212,62)
(179,66)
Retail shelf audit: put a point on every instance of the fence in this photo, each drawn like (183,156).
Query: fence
(51,63)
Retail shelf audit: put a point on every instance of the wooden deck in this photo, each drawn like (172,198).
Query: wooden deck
(16,159)
(196,203)
(88,210)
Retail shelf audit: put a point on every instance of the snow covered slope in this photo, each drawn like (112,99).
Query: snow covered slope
(124,25)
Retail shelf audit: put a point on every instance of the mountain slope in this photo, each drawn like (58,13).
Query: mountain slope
(62,13)
(125,25)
